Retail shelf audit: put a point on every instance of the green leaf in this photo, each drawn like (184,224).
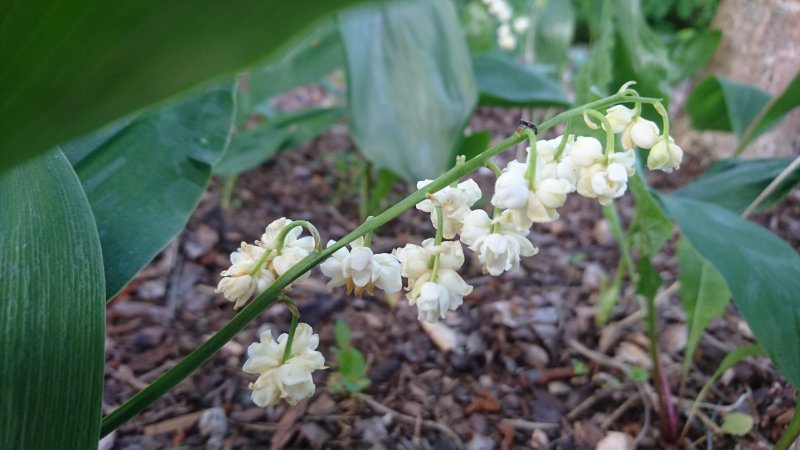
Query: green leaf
(145,179)
(555,29)
(502,82)
(342,333)
(52,312)
(704,295)
(474,144)
(351,363)
(737,423)
(597,71)
(776,110)
(690,51)
(718,103)
(408,110)
(250,148)
(113,58)
(383,186)
(608,297)
(761,271)
(735,183)
(649,280)
(306,124)
(650,228)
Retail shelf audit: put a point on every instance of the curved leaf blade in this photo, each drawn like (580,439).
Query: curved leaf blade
(502,82)
(777,109)
(718,103)
(145,180)
(113,58)
(52,312)
(410,84)
(761,271)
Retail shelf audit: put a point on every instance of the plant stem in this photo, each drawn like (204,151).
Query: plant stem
(530,171)
(226,196)
(201,354)
(792,431)
(772,186)
(495,168)
(563,144)
(287,351)
(294,224)
(611,214)
(260,262)
(437,241)
(610,141)
(363,192)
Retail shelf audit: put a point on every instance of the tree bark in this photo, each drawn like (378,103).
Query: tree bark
(760,46)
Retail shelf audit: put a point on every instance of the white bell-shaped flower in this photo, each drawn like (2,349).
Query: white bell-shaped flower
(665,156)
(610,183)
(497,251)
(269,240)
(521,24)
(290,380)
(619,116)
(455,203)
(627,159)
(585,152)
(505,38)
(640,133)
(528,206)
(238,284)
(434,299)
(361,270)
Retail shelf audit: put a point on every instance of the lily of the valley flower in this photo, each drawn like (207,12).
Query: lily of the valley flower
(455,203)
(528,206)
(361,270)
(444,294)
(610,183)
(640,133)
(665,156)
(619,116)
(497,250)
(290,380)
(238,283)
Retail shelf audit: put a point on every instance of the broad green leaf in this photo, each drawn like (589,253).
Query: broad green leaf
(690,51)
(503,82)
(718,103)
(704,295)
(250,148)
(145,180)
(649,280)
(474,144)
(351,364)
(735,183)
(737,423)
(410,83)
(761,271)
(342,333)
(555,29)
(69,69)
(52,309)
(597,71)
(384,180)
(650,228)
(306,124)
(777,109)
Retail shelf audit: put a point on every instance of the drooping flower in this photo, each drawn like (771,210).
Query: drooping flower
(455,203)
(505,38)
(586,151)
(290,380)
(610,183)
(640,133)
(361,270)
(526,204)
(619,116)
(665,156)
(497,250)
(239,283)
(434,299)
(521,24)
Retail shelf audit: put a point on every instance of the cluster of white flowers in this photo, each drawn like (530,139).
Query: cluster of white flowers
(510,27)
(278,379)
(361,270)
(254,267)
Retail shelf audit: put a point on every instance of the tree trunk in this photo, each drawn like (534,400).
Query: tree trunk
(760,46)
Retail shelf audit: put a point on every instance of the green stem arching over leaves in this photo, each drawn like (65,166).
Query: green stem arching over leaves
(270,296)
(299,223)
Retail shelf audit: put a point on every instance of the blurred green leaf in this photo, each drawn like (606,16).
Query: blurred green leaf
(306,124)
(737,423)
(649,280)
(113,58)
(385,179)
(351,363)
(735,183)
(408,110)
(250,148)
(690,51)
(555,29)
(474,144)
(52,310)
(703,293)
(145,179)
(718,103)
(776,110)
(650,228)
(597,71)
(502,82)
(342,333)
(761,271)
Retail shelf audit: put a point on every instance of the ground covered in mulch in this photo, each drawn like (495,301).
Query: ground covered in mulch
(522,364)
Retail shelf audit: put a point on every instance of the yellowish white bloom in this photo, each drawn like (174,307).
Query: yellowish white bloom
(455,203)
(500,9)
(585,152)
(505,38)
(619,116)
(521,24)
(497,250)
(527,206)
(239,283)
(665,156)
(361,270)
(640,133)
(610,183)
(290,380)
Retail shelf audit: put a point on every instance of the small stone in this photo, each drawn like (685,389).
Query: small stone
(547,315)
(602,233)
(372,430)
(315,434)
(475,344)
(616,440)
(633,354)
(480,442)
(152,289)
(535,356)
(593,274)
(673,338)
(323,405)
(539,439)
(559,388)
(444,337)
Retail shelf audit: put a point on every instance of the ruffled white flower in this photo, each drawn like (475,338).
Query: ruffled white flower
(238,283)
(361,270)
(521,24)
(505,38)
(640,133)
(527,206)
(269,240)
(619,116)
(497,251)
(500,9)
(447,293)
(290,380)
(665,156)
(610,183)
(586,151)
(627,159)
(455,203)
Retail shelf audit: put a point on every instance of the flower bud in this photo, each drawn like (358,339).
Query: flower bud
(619,116)
(665,156)
(586,151)
(640,133)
